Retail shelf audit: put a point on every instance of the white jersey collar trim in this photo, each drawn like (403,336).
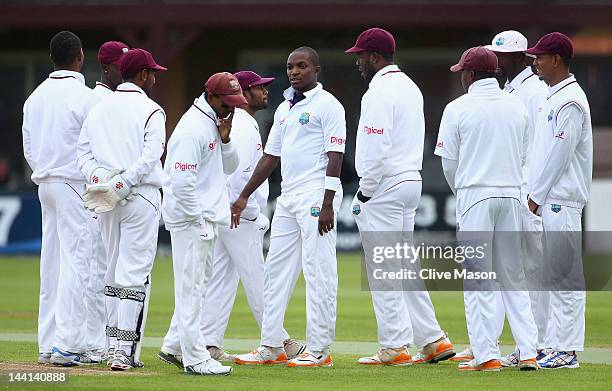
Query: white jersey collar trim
(288,94)
(552,90)
(383,71)
(130,87)
(520,78)
(489,83)
(65,74)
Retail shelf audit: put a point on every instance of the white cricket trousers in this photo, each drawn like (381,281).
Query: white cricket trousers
(404,317)
(238,256)
(295,244)
(64,267)
(130,236)
(192,251)
(566,327)
(95,300)
(484,322)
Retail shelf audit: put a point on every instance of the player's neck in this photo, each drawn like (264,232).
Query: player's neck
(558,78)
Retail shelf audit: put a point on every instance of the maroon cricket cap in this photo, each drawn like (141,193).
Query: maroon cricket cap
(248,79)
(135,60)
(477,58)
(227,87)
(553,43)
(374,40)
(111,52)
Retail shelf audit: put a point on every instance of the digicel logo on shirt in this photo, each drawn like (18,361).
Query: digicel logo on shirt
(440,144)
(185,166)
(369,130)
(337,140)
(212,145)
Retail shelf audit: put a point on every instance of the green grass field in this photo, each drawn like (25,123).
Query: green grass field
(356,322)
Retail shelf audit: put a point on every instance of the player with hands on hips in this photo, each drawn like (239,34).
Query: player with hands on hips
(308,139)
(200,153)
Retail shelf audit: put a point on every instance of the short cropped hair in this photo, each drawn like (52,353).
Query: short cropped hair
(64,47)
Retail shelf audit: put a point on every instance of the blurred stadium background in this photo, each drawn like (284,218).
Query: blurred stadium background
(197,38)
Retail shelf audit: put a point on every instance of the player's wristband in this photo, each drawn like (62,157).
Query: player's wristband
(332,183)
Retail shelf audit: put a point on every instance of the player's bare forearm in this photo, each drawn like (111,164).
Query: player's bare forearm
(266,165)
(326,218)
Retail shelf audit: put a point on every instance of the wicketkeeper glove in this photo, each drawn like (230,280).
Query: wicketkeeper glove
(104,197)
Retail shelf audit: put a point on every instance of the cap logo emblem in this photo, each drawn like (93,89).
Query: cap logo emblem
(124,50)
(499,41)
(234,85)
(304,118)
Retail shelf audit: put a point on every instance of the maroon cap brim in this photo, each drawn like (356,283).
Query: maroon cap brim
(264,81)
(535,51)
(456,68)
(354,49)
(158,67)
(233,100)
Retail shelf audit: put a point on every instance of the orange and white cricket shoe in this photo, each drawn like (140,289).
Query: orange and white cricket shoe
(311,359)
(435,352)
(487,366)
(529,364)
(263,355)
(389,356)
(464,355)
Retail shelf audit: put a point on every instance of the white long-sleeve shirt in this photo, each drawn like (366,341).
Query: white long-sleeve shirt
(486,131)
(391,130)
(531,91)
(195,168)
(52,118)
(562,169)
(303,134)
(247,141)
(125,130)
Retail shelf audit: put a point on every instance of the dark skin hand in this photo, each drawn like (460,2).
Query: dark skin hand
(225,127)
(533,207)
(266,165)
(326,217)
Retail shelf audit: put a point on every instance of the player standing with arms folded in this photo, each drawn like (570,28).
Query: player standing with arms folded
(109,58)
(52,118)
(308,135)
(122,141)
(560,179)
(200,154)
(238,253)
(388,157)
(482,141)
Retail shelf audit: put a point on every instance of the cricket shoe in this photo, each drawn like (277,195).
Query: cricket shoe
(122,362)
(210,367)
(559,360)
(464,355)
(487,366)
(527,365)
(311,359)
(388,356)
(220,354)
(44,358)
(543,353)
(110,355)
(174,359)
(293,348)
(96,355)
(263,355)
(511,360)
(67,359)
(435,352)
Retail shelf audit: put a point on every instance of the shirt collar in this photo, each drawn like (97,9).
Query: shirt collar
(389,68)
(520,78)
(484,85)
(99,83)
(65,74)
(288,94)
(243,113)
(201,104)
(552,90)
(129,87)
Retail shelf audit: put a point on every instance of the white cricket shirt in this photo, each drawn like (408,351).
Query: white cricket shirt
(52,118)
(247,141)
(100,91)
(532,91)
(125,130)
(195,168)
(486,131)
(562,170)
(391,130)
(303,134)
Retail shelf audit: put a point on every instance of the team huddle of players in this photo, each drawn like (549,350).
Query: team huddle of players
(96,158)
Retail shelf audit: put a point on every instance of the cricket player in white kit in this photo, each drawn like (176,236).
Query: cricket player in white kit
(509,47)
(388,157)
(238,254)
(52,118)
(109,58)
(560,181)
(122,141)
(482,141)
(195,206)
(308,137)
